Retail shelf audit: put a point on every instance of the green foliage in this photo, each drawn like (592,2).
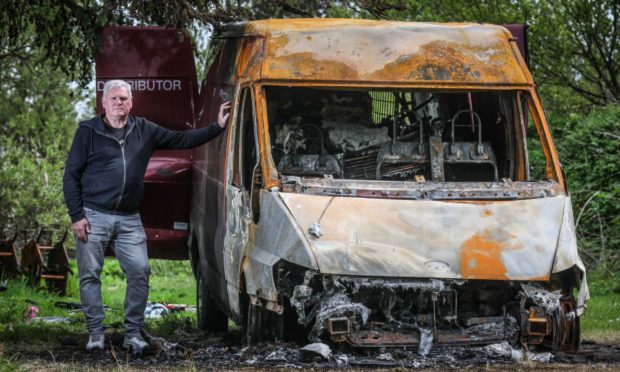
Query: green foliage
(573,45)
(37,121)
(62,30)
(589,146)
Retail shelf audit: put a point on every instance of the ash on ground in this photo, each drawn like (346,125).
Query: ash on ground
(228,352)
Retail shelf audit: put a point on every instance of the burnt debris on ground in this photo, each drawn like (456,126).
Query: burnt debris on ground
(228,351)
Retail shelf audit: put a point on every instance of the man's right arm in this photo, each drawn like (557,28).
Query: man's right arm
(72,179)
(72,183)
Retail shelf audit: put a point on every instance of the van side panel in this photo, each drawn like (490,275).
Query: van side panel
(208,209)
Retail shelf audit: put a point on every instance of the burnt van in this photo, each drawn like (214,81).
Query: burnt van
(379,184)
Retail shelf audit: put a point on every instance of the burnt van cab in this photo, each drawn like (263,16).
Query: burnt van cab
(379,184)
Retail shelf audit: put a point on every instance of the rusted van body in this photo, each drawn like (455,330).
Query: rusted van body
(374,188)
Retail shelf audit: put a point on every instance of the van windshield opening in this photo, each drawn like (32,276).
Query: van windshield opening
(395,135)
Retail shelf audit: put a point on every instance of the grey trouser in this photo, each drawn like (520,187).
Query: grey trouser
(129,240)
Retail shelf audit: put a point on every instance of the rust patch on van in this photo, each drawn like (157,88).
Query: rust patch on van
(481,258)
(441,60)
(487,213)
(305,66)
(463,53)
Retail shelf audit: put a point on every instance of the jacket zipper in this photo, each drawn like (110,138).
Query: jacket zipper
(122,145)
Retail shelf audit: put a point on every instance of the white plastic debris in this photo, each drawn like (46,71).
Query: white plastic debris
(426,341)
(516,355)
(276,356)
(311,351)
(155,311)
(342,360)
(50,319)
(252,360)
(503,349)
(539,357)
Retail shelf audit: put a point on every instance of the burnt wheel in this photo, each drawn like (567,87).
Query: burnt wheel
(574,341)
(261,324)
(253,323)
(210,317)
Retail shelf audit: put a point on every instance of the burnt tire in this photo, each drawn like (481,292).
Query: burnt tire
(253,327)
(210,317)
(260,324)
(574,341)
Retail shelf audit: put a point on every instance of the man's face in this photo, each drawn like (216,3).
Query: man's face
(117,103)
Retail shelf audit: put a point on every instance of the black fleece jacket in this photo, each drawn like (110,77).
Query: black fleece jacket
(107,175)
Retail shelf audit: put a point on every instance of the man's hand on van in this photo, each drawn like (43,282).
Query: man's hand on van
(222,117)
(81,229)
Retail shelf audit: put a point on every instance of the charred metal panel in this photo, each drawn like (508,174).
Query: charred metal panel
(235,241)
(259,275)
(365,50)
(472,191)
(499,240)
(251,57)
(567,255)
(280,234)
(277,237)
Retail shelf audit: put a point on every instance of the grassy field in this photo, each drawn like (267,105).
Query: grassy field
(171,282)
(602,320)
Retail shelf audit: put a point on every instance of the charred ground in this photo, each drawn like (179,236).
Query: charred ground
(194,349)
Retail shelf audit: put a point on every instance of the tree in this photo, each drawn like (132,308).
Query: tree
(65,32)
(589,146)
(573,44)
(37,122)
(577,45)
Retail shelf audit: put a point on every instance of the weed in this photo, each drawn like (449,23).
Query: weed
(7,366)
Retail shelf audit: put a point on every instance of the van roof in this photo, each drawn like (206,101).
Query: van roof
(368,51)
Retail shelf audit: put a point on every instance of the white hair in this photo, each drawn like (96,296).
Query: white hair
(114,84)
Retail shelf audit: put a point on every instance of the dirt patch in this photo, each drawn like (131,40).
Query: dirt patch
(228,352)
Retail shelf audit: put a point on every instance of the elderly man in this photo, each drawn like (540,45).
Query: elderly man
(103,184)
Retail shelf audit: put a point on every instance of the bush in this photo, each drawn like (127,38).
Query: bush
(589,146)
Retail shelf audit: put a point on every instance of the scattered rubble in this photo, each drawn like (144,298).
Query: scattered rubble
(200,352)
(542,297)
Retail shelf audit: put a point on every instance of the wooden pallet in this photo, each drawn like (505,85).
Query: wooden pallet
(9,267)
(43,260)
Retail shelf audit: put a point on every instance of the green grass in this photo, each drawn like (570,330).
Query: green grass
(602,318)
(171,282)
